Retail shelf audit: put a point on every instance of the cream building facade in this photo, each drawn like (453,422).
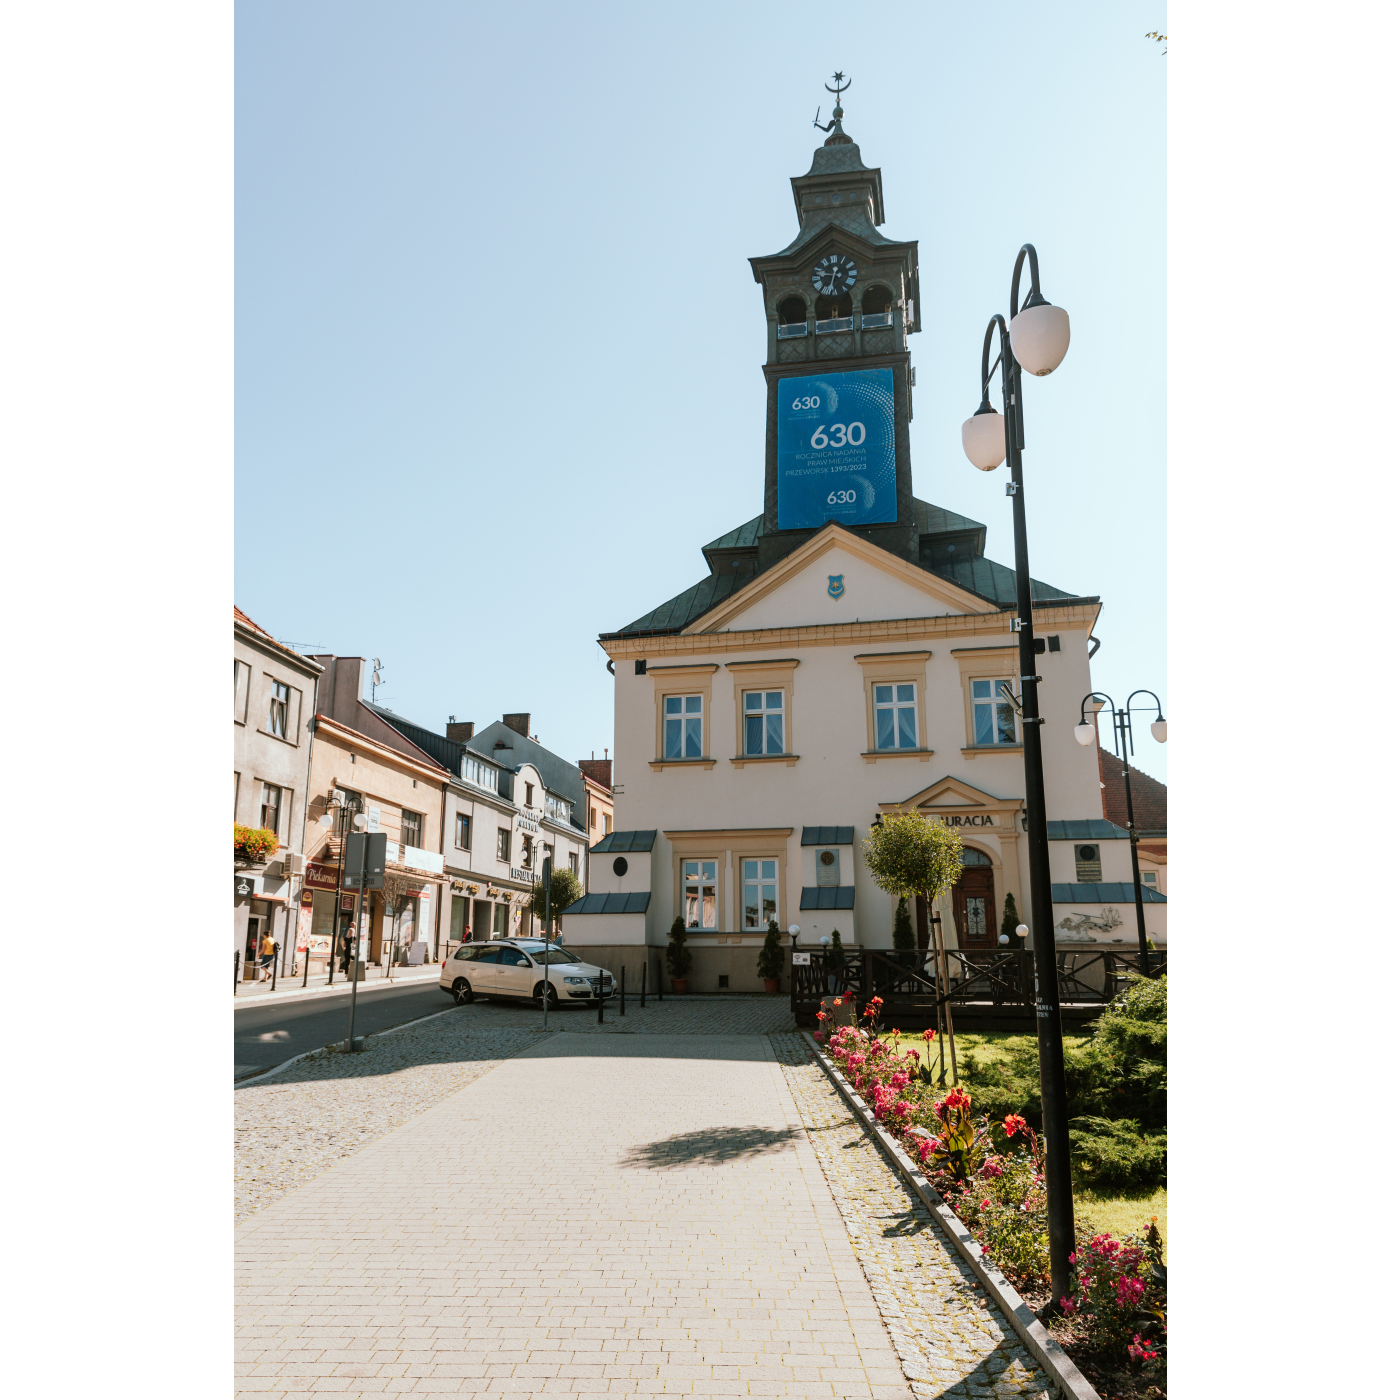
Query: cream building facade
(822,676)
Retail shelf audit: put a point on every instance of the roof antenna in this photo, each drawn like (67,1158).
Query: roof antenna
(836,112)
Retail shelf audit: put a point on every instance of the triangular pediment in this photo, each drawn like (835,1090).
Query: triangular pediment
(837,577)
(950,794)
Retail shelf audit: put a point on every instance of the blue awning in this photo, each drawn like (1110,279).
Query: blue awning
(1090,829)
(829,897)
(634,903)
(624,841)
(828,835)
(1115,892)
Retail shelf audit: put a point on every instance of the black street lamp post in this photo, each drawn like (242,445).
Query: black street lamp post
(1036,339)
(1086,731)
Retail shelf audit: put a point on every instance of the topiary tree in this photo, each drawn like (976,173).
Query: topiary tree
(678,956)
(903,928)
(836,954)
(1010,919)
(770,956)
(564,888)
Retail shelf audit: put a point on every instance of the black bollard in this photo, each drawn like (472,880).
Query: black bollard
(276,952)
(660,987)
(600,996)
(235,972)
(644,984)
(622,993)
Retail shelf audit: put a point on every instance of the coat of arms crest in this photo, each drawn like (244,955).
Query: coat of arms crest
(836,584)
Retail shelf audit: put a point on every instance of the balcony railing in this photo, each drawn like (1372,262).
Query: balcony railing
(882,318)
(837,323)
(795,329)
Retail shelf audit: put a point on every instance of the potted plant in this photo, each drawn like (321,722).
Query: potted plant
(835,962)
(253,844)
(905,951)
(678,956)
(770,958)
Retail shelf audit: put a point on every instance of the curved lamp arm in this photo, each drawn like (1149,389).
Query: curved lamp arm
(1033,297)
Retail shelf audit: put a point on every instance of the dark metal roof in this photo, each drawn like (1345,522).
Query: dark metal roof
(634,903)
(624,841)
(1115,892)
(684,608)
(743,536)
(829,897)
(992,581)
(560,776)
(828,835)
(1093,829)
(447,752)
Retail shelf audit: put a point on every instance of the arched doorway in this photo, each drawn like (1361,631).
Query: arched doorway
(974,901)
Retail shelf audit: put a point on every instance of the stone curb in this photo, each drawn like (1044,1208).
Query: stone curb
(1046,1350)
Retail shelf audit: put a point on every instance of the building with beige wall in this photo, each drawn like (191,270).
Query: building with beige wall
(274,694)
(819,677)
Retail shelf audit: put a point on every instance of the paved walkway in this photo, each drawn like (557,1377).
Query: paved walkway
(639,1214)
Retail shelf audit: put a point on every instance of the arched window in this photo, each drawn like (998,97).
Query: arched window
(876,308)
(834,308)
(972,856)
(792,317)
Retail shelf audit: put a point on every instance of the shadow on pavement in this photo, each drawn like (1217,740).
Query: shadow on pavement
(709,1147)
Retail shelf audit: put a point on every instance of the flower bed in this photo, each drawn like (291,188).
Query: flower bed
(991,1175)
(253,844)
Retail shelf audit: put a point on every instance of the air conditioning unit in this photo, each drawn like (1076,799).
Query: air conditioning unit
(293,863)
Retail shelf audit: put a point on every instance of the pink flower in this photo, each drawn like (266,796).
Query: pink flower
(985,1203)
(1069,1306)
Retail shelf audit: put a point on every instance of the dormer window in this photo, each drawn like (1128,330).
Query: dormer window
(834,314)
(792,317)
(876,308)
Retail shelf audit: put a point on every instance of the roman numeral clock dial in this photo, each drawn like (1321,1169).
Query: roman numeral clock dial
(834,275)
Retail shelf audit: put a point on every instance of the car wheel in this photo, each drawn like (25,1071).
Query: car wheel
(462,992)
(553,994)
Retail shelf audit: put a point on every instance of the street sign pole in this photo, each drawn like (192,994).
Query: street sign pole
(547,870)
(355,952)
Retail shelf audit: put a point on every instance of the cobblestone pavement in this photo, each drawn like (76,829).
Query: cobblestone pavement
(951,1340)
(680,1240)
(293,1126)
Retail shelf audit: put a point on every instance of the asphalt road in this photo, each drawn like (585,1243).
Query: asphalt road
(266,1035)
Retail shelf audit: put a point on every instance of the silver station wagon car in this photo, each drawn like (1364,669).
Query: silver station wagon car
(516,969)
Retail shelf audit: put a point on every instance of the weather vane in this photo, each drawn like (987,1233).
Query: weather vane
(836,112)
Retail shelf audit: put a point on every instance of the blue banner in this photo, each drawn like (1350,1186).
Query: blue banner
(836,449)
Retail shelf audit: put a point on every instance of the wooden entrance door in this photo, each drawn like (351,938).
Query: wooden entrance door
(974,907)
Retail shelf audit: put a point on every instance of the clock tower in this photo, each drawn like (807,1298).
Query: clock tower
(841,301)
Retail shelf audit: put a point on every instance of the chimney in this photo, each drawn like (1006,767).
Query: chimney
(599,769)
(460,733)
(519,723)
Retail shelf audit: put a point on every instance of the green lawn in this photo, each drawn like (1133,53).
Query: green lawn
(1118,1215)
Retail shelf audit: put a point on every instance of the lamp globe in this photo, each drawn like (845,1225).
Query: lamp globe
(1084,733)
(1040,338)
(984,438)
(1159,731)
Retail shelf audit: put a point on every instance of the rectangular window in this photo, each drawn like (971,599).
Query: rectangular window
(270,812)
(701,894)
(411,829)
(476,772)
(607,824)
(235,796)
(573,862)
(896,716)
(277,709)
(241,674)
(460,920)
(763,721)
(760,892)
(592,819)
(499,914)
(529,794)
(527,851)
(503,844)
(1149,877)
(464,831)
(993,714)
(684,729)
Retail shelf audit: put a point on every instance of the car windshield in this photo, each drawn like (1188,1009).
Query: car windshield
(554,955)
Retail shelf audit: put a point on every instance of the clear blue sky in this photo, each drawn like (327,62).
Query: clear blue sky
(499,346)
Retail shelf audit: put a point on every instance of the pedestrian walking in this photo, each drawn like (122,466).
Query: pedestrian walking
(268,950)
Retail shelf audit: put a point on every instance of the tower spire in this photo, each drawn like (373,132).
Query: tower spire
(838,137)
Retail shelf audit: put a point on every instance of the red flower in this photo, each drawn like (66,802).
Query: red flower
(929,1035)
(1014,1123)
(821,1015)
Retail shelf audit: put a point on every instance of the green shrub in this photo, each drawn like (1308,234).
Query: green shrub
(1122,1072)
(1010,919)
(770,956)
(836,954)
(1116,1154)
(903,927)
(678,956)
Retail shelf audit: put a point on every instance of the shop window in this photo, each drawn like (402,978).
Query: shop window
(411,829)
(270,812)
(896,716)
(684,726)
(461,929)
(277,709)
(701,879)
(763,721)
(993,714)
(503,844)
(760,892)
(464,831)
(500,916)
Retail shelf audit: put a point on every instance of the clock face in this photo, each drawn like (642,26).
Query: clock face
(834,275)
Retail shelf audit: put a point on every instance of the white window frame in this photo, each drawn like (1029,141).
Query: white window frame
(895,706)
(277,790)
(701,875)
(759,882)
(279,706)
(998,709)
(764,712)
(479,774)
(467,844)
(687,722)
